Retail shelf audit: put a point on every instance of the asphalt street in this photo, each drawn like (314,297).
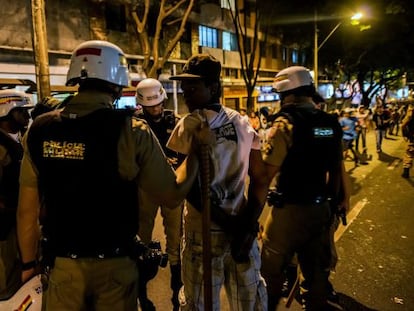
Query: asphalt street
(376,255)
(376,251)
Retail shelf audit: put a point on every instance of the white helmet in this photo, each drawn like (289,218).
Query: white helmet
(10,99)
(292,78)
(98,60)
(150,92)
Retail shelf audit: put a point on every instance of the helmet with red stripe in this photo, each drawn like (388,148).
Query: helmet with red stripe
(101,60)
(10,99)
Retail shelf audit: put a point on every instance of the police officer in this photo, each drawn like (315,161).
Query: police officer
(407,125)
(84,164)
(151,95)
(304,151)
(14,119)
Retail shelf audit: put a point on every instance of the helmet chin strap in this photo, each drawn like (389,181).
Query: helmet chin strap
(115,103)
(116,95)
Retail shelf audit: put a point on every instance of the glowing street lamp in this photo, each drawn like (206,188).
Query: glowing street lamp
(354,21)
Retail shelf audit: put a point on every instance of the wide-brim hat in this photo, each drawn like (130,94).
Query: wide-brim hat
(200,66)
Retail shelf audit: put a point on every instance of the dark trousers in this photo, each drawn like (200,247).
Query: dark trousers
(301,229)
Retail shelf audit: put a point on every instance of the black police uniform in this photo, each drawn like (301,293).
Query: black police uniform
(9,192)
(302,221)
(97,215)
(163,129)
(9,184)
(313,153)
(172,218)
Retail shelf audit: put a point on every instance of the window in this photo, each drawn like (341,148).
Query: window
(303,58)
(233,73)
(231,103)
(228,4)
(274,51)
(295,56)
(208,36)
(284,54)
(115,17)
(229,41)
(230,73)
(263,48)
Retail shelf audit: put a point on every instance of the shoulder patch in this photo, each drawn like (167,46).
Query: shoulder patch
(282,123)
(140,124)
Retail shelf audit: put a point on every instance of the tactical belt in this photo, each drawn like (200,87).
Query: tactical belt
(101,254)
(320,199)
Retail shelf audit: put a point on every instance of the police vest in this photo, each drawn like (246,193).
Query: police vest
(163,129)
(9,184)
(89,207)
(316,149)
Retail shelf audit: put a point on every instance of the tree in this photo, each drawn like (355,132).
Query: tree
(371,57)
(378,57)
(167,13)
(251,41)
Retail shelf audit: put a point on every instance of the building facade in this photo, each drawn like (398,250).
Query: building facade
(68,23)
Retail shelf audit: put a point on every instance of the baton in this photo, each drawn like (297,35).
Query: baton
(206,217)
(293,291)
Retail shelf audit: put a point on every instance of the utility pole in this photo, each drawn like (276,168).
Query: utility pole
(40,48)
(315,52)
(317,46)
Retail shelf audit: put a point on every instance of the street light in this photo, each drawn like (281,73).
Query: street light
(354,20)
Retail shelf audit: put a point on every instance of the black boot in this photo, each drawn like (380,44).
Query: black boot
(144,302)
(333,298)
(175,285)
(406,172)
(291,275)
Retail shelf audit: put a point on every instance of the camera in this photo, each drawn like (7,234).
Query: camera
(153,253)
(149,259)
(274,198)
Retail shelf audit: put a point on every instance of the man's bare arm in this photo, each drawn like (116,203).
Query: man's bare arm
(259,179)
(247,224)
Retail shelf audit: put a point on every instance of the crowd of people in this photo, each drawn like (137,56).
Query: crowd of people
(385,119)
(88,181)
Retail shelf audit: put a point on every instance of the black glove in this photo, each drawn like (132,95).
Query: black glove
(342,215)
(274,198)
